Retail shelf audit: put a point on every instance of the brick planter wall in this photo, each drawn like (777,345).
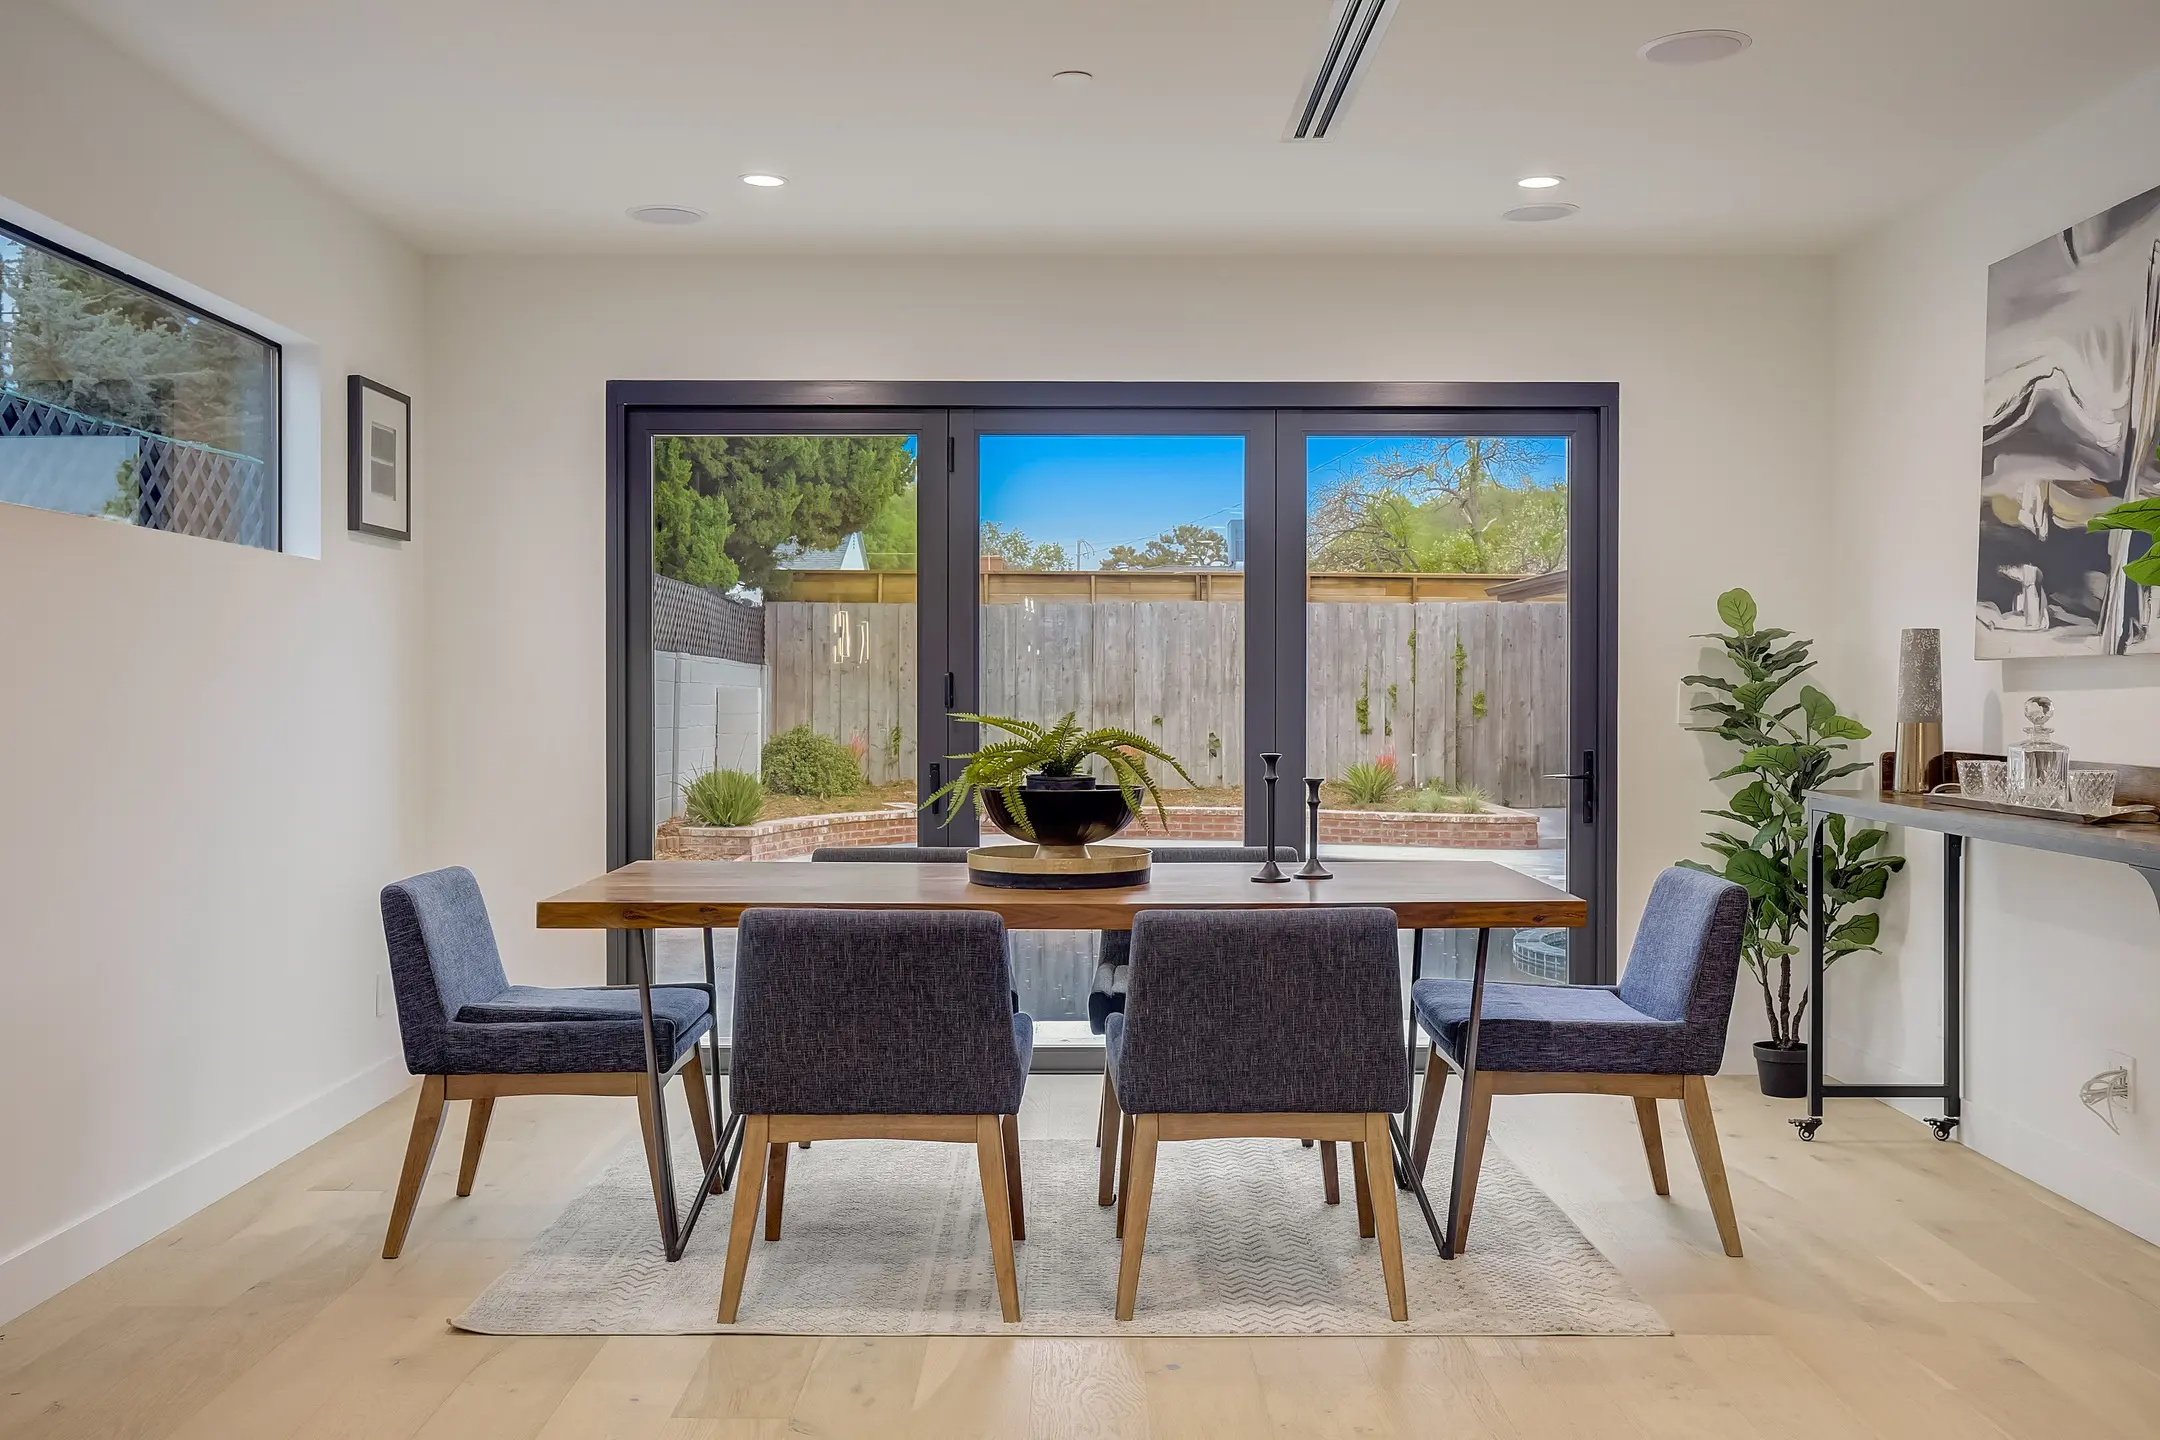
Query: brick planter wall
(1494,829)
(782,839)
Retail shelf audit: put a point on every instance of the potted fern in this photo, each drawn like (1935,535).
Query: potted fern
(1788,747)
(1034,784)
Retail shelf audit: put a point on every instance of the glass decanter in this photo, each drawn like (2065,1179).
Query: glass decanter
(2039,764)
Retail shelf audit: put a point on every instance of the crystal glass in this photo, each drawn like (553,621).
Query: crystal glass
(2092,792)
(1973,782)
(1994,781)
(2039,765)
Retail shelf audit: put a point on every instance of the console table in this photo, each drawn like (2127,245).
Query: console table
(2135,845)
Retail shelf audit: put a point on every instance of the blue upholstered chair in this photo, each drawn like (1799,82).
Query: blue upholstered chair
(876,1024)
(1262,1023)
(894,854)
(472,1035)
(1654,1036)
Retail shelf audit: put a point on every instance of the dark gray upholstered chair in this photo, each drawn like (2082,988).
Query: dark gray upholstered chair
(1107,996)
(472,1035)
(875,1024)
(1654,1036)
(894,854)
(1261,1023)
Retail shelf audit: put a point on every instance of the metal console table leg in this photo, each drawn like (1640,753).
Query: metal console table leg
(1949,1091)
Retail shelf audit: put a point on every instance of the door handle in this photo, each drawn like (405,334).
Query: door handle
(937,782)
(1588,776)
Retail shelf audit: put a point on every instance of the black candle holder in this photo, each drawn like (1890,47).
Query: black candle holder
(1313,869)
(1270,873)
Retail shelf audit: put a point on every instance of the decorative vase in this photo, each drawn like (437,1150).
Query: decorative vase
(1782,1070)
(1920,712)
(1065,813)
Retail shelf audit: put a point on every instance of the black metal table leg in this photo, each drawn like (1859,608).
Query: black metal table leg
(1417,970)
(712,1073)
(1953,953)
(664,1171)
(1808,1124)
(1467,1073)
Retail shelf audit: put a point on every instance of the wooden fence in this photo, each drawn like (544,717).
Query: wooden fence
(1466,691)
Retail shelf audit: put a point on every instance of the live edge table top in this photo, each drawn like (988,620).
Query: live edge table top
(694,895)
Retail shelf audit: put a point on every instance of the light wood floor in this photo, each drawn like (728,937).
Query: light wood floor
(1893,1288)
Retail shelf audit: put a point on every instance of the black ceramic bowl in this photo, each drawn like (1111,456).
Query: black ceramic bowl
(1063,812)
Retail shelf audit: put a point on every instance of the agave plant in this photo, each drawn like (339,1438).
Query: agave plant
(1058,750)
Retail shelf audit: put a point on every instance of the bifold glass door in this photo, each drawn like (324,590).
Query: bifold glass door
(1440,600)
(1407,604)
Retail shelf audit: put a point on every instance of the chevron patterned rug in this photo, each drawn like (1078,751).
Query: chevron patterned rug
(884,1237)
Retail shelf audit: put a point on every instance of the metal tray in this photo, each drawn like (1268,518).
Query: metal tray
(2121,814)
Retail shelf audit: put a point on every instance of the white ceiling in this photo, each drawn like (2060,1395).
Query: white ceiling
(531,125)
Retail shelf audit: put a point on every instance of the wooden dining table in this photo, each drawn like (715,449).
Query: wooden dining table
(647,895)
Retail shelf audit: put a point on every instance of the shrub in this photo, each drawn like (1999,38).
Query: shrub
(802,762)
(1369,782)
(723,797)
(1436,797)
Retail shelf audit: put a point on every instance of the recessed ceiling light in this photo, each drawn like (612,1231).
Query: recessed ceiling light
(1538,182)
(1695,47)
(1544,210)
(666,214)
(763,181)
(1073,79)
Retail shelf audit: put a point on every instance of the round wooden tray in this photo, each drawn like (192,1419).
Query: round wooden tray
(1019,867)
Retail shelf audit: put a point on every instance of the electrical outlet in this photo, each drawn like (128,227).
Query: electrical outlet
(382,996)
(2128,1104)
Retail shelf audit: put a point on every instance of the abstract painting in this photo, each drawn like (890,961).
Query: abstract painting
(2073,407)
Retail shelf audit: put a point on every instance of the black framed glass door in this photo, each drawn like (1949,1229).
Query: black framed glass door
(1361,584)
(1443,582)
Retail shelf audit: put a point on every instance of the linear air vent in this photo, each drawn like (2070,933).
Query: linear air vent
(1352,38)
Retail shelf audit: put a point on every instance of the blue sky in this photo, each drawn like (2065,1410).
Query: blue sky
(1126,489)
(1110,489)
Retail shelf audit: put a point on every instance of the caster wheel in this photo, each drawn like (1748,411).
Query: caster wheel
(1941,1127)
(1807,1126)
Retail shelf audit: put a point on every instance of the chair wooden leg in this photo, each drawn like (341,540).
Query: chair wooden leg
(648,1103)
(1364,1189)
(477,1115)
(1653,1142)
(1011,1142)
(775,1189)
(699,1094)
(1107,1131)
(1478,1120)
(1702,1136)
(1380,1182)
(1428,1113)
(1140,1187)
(1125,1144)
(419,1152)
(1330,1184)
(749,1185)
(990,1161)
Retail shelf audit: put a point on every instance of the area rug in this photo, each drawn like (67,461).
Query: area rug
(885,1237)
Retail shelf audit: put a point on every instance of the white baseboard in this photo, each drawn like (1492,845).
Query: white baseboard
(2117,1195)
(50,1264)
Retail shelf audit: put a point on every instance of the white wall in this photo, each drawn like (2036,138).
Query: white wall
(210,756)
(2064,954)
(1724,374)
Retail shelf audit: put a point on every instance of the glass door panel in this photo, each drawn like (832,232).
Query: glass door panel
(1437,638)
(783,650)
(1110,584)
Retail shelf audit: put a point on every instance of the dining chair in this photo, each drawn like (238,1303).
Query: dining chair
(1106,997)
(876,1025)
(1655,1036)
(1260,1023)
(471,1035)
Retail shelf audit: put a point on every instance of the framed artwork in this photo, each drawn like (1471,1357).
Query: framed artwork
(378,459)
(2073,408)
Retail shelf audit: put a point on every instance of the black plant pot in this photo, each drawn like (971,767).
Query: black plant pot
(1064,812)
(1782,1070)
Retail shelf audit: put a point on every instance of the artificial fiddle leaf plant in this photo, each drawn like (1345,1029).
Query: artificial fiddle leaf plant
(1788,747)
(2142,516)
